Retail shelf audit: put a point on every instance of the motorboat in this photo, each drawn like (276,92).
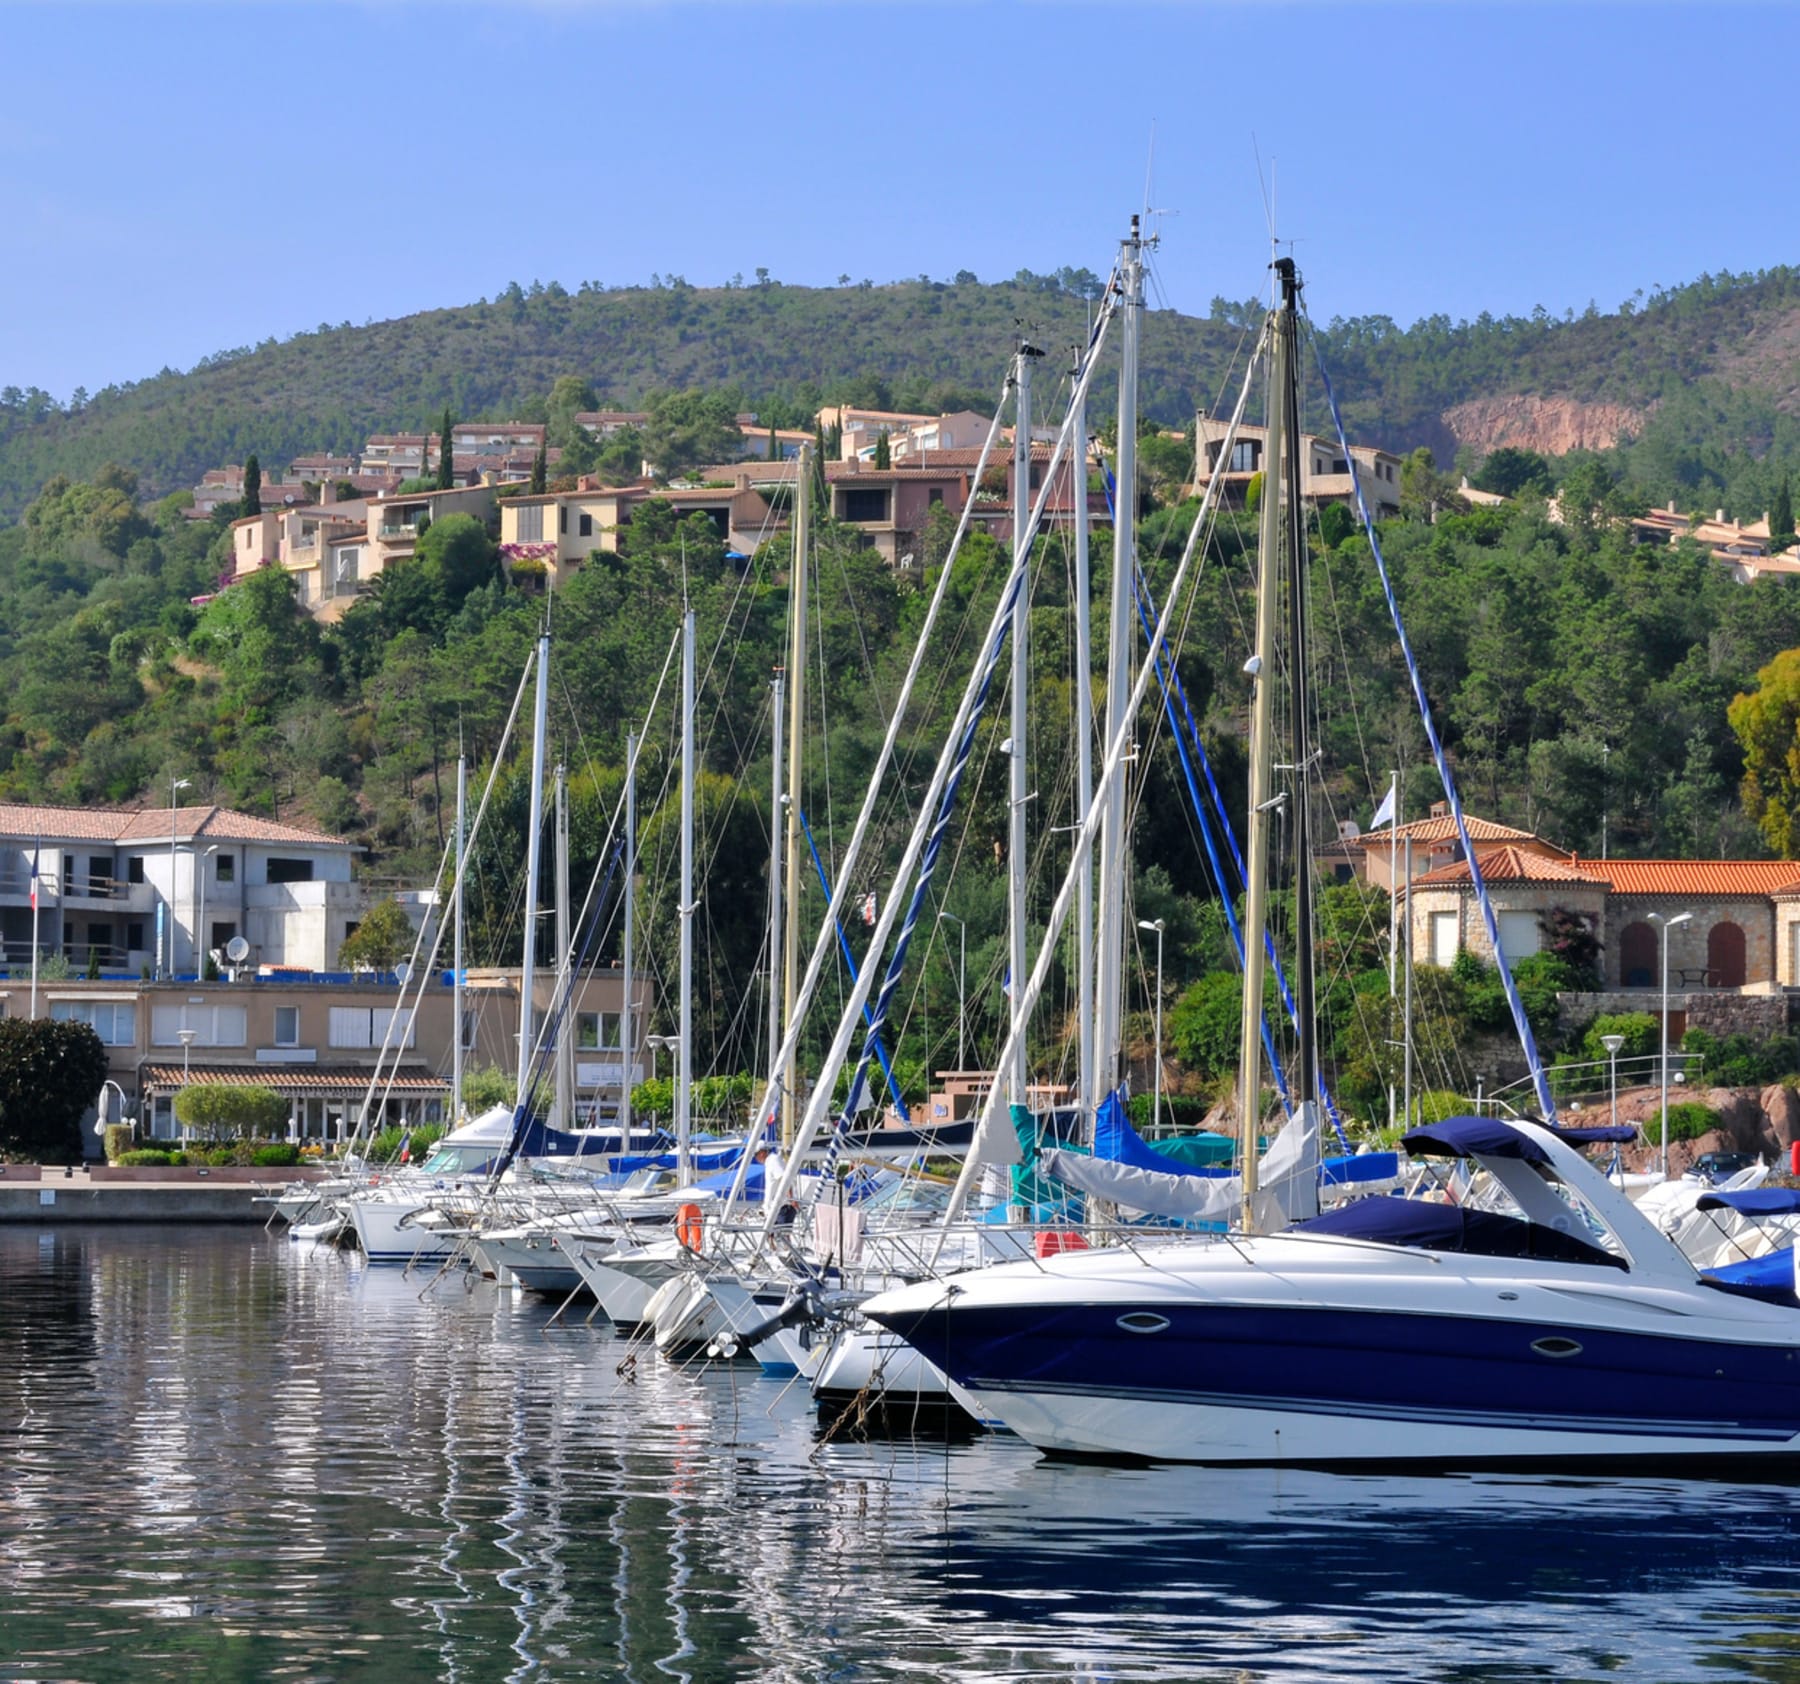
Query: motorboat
(1551,1323)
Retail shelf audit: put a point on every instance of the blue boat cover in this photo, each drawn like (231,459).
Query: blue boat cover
(1443,1227)
(1758,1201)
(1118,1142)
(701,1163)
(1469,1137)
(1593,1136)
(1769,1279)
(1365,1166)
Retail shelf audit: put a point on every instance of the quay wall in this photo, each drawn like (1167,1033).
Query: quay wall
(41,1193)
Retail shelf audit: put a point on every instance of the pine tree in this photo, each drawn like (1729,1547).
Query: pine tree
(252,504)
(540,471)
(1781,517)
(884,456)
(446,472)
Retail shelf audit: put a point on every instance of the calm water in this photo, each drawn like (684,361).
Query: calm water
(226,1457)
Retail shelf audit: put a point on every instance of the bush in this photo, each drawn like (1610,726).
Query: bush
(144,1158)
(118,1141)
(385,1147)
(1642,1036)
(1687,1121)
(1739,1061)
(279,1154)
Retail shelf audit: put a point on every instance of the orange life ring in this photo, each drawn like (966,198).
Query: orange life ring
(690,1226)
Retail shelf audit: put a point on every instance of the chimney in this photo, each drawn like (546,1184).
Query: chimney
(1719,516)
(327,491)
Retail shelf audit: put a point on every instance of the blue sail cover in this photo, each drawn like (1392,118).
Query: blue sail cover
(1116,1140)
(1440,1227)
(1758,1201)
(1365,1166)
(701,1163)
(1599,1133)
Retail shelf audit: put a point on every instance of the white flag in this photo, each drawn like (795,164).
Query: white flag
(1384,814)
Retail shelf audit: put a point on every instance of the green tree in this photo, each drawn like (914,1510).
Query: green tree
(220,1111)
(380,941)
(446,468)
(540,472)
(50,1073)
(1781,516)
(1767,724)
(884,456)
(1508,471)
(569,397)
(251,503)
(690,429)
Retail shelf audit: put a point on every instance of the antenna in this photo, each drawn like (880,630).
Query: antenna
(402,971)
(237,950)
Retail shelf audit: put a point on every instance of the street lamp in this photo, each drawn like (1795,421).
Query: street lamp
(1612,1043)
(187,1042)
(1667,925)
(962,976)
(176,785)
(1156,924)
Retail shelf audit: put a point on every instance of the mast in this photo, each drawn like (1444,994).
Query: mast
(796,673)
(528,961)
(776,949)
(1114,844)
(1084,768)
(1306,1083)
(1021,625)
(1262,799)
(456,948)
(627,1016)
(565,1039)
(684,1058)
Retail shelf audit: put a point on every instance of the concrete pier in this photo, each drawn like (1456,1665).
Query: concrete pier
(43,1193)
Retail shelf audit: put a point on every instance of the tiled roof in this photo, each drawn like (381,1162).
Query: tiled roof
(1695,877)
(294,1080)
(1512,864)
(153,824)
(1444,830)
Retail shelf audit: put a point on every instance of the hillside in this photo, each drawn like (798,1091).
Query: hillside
(1705,371)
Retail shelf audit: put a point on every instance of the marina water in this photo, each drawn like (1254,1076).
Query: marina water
(227,1456)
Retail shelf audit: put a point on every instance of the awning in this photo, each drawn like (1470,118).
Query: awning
(297,1081)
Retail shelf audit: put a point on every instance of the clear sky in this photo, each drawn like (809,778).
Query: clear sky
(177,179)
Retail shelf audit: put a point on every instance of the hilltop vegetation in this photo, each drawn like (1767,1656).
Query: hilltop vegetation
(1712,368)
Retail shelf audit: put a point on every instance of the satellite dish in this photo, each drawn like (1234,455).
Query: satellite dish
(402,971)
(237,950)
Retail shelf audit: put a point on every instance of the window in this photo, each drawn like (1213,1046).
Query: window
(562,520)
(531,524)
(100,869)
(287,1026)
(1246,457)
(468,1030)
(113,1021)
(367,1026)
(1443,939)
(933,497)
(586,527)
(1725,956)
(1637,956)
(134,938)
(225,868)
(1518,935)
(213,1026)
(134,869)
(595,1031)
(290,871)
(865,505)
(100,935)
(219,935)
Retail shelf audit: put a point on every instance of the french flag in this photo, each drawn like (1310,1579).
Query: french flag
(34,878)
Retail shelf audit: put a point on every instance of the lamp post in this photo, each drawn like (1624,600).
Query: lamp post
(656,1043)
(1667,925)
(1156,924)
(1612,1043)
(962,976)
(176,785)
(187,1042)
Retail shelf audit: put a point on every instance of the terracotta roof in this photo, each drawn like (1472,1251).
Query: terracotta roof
(1444,830)
(294,1080)
(1694,877)
(1511,864)
(154,824)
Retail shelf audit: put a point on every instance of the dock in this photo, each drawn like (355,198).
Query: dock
(46,1193)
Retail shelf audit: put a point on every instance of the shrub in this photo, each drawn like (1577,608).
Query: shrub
(212,1109)
(385,1147)
(1687,1121)
(1739,1061)
(1642,1037)
(144,1158)
(118,1141)
(278,1154)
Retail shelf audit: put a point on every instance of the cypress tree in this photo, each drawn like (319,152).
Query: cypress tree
(540,472)
(252,485)
(446,472)
(884,456)
(1781,516)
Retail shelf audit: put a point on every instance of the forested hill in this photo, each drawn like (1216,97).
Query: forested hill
(1696,375)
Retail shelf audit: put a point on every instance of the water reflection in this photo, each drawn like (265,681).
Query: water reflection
(231,1457)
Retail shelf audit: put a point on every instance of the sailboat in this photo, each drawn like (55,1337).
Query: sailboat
(1543,1321)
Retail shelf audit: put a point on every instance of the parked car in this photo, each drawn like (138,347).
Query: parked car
(1714,1167)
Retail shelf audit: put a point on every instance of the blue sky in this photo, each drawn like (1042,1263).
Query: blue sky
(179,179)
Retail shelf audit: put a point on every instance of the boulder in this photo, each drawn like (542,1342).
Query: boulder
(1740,1117)
(1781,1108)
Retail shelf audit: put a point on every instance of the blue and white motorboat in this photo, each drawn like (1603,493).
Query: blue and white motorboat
(1545,1322)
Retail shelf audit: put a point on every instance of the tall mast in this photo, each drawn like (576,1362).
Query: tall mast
(540,726)
(1114,844)
(456,944)
(684,1058)
(1262,799)
(796,676)
(1084,767)
(1306,1068)
(627,1016)
(565,960)
(1021,625)
(777,949)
